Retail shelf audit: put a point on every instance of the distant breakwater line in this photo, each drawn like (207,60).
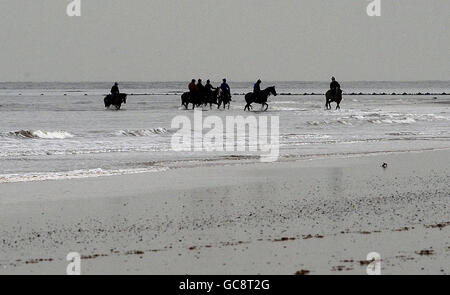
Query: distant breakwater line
(283,93)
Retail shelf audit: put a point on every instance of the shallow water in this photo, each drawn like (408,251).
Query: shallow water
(61,130)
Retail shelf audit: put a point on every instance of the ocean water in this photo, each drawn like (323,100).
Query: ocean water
(51,131)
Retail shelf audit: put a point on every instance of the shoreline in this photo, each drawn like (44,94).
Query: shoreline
(320,215)
(229,160)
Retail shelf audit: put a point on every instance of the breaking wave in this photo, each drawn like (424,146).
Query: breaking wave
(76,174)
(40,134)
(142,132)
(378,118)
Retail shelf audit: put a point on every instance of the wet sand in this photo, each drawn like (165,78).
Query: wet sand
(320,216)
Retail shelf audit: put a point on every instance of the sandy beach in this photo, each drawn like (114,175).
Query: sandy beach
(319,215)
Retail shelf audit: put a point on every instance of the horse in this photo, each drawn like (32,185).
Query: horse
(260,98)
(225,99)
(116,101)
(212,97)
(186,99)
(194,98)
(330,98)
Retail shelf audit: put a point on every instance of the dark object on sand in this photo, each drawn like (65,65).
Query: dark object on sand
(384,165)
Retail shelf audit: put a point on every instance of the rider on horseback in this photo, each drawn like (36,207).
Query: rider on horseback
(114,90)
(208,87)
(192,87)
(225,88)
(334,86)
(257,88)
(200,87)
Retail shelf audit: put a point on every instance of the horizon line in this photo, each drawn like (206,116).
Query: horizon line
(230,81)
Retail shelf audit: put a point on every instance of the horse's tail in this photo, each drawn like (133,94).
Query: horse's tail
(107,102)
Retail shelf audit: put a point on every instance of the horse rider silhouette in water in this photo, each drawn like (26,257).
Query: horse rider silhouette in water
(257,88)
(334,86)
(225,88)
(192,87)
(115,90)
(200,87)
(208,87)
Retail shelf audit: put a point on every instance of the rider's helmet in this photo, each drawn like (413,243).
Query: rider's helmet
(332,78)
(193,81)
(199,80)
(115,83)
(207,81)
(224,80)
(259,81)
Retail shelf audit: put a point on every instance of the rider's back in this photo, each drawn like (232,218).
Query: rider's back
(256,88)
(115,89)
(334,85)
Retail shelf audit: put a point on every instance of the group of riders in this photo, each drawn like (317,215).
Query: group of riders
(200,94)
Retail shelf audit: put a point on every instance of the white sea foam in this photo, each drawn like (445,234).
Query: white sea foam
(76,174)
(376,118)
(40,134)
(142,132)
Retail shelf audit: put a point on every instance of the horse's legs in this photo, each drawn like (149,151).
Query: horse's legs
(267,106)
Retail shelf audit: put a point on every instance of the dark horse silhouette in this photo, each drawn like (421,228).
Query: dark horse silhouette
(336,98)
(196,99)
(261,98)
(117,101)
(225,99)
(186,99)
(212,97)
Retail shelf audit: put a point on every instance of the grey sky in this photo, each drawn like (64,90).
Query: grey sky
(162,40)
